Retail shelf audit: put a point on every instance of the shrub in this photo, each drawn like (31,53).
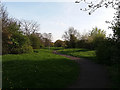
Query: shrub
(26,49)
(35,41)
(20,44)
(107,52)
(103,54)
(59,43)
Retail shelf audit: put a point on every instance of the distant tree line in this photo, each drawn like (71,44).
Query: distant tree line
(90,40)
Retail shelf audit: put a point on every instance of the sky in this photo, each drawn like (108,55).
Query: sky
(57,17)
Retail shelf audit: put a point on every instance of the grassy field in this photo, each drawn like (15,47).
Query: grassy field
(40,69)
(83,53)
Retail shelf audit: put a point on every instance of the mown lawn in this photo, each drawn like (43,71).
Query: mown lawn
(40,69)
(79,52)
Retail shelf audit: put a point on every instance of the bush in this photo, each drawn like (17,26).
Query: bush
(5,49)
(6,42)
(35,41)
(103,54)
(23,49)
(20,44)
(107,52)
(84,44)
(27,49)
(13,39)
(59,43)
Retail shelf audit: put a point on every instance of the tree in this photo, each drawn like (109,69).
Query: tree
(116,32)
(35,41)
(13,41)
(6,35)
(115,24)
(96,36)
(4,16)
(59,43)
(94,5)
(71,37)
(97,33)
(29,27)
(84,42)
(47,39)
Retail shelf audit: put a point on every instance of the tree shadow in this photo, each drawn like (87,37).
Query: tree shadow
(49,73)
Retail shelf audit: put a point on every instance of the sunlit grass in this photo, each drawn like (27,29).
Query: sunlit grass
(83,53)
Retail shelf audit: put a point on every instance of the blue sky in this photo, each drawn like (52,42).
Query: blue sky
(57,17)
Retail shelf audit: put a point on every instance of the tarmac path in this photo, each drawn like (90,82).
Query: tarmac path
(91,75)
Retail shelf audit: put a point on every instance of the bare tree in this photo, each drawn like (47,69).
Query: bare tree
(47,38)
(29,27)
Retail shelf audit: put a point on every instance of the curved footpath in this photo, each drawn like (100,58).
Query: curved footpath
(91,75)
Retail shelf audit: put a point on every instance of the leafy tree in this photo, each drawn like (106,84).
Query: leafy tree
(59,43)
(5,34)
(71,37)
(116,38)
(95,4)
(35,41)
(116,24)
(96,36)
(20,43)
(85,42)
(12,38)
(92,39)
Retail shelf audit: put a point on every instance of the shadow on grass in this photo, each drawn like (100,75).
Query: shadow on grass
(50,73)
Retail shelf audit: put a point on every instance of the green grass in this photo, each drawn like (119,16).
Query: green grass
(40,69)
(54,48)
(82,53)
